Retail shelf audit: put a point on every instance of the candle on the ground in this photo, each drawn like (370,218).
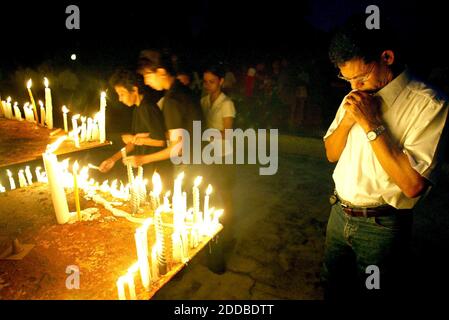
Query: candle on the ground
(41,104)
(64,115)
(48,105)
(102,120)
(142,256)
(38,174)
(8,108)
(55,182)
(22,180)
(28,175)
(206,200)
(76,190)
(83,129)
(196,198)
(17,112)
(75,130)
(33,103)
(12,184)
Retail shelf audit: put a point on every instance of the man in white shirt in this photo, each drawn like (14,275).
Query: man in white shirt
(386,139)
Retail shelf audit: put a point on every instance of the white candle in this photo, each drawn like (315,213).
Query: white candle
(142,256)
(196,198)
(121,288)
(33,103)
(95,129)
(206,199)
(83,129)
(64,115)
(102,120)
(8,108)
(42,113)
(167,201)
(48,105)
(17,113)
(3,108)
(89,129)
(56,186)
(38,174)
(154,264)
(177,247)
(75,130)
(22,180)
(12,184)
(28,175)
(2,188)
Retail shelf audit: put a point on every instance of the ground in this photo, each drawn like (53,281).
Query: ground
(280,232)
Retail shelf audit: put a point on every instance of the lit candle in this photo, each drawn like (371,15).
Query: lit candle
(121,288)
(48,105)
(76,191)
(206,203)
(33,103)
(38,174)
(75,130)
(142,256)
(64,115)
(167,201)
(17,112)
(157,189)
(28,175)
(11,180)
(196,198)
(42,113)
(154,264)
(3,109)
(8,108)
(89,129)
(55,182)
(83,129)
(102,120)
(2,188)
(22,180)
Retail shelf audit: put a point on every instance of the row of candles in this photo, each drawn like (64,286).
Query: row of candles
(30,109)
(91,129)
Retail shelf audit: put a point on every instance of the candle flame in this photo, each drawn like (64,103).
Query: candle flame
(41,103)
(64,109)
(103,95)
(9,173)
(8,99)
(52,147)
(26,104)
(15,104)
(198,181)
(46,82)
(157,184)
(180,176)
(29,84)
(209,190)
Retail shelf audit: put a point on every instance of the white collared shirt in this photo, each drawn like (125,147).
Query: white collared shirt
(222,107)
(414,115)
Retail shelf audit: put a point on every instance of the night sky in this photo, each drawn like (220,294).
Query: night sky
(117,31)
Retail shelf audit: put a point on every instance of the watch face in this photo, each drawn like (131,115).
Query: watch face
(371,135)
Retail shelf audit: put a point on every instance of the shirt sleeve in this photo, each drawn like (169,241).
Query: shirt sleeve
(422,144)
(228,109)
(338,117)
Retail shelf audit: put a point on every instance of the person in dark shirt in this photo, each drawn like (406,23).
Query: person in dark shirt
(147,121)
(179,107)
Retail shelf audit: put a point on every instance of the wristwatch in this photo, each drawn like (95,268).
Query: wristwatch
(373,134)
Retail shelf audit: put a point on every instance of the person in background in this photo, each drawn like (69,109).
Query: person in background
(147,121)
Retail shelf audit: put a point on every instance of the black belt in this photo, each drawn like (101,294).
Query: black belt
(367,212)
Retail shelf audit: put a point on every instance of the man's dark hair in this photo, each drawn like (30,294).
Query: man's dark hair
(127,79)
(355,40)
(153,59)
(216,69)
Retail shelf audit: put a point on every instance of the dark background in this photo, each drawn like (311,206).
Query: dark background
(32,32)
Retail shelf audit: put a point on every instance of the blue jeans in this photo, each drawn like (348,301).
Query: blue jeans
(354,243)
